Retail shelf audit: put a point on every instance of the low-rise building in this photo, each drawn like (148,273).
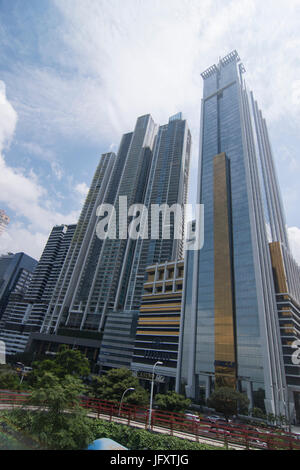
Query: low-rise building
(158,327)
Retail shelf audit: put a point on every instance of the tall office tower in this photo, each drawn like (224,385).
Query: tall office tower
(26,310)
(4,221)
(230,329)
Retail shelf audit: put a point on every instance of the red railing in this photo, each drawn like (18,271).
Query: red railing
(246,436)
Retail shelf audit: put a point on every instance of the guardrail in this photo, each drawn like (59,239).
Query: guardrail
(228,433)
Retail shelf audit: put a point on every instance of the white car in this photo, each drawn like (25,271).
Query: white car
(192,417)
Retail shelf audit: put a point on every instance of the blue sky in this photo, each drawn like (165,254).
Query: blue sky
(75,74)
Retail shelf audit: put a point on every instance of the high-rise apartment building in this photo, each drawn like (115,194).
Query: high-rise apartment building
(230,328)
(99,277)
(168,184)
(15,271)
(4,221)
(29,301)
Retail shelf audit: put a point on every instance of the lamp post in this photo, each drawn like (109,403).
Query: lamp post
(158,363)
(22,372)
(127,390)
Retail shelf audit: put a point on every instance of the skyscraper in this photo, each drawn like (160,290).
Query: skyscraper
(99,276)
(29,301)
(230,326)
(168,184)
(14,269)
(4,221)
(81,249)
(90,291)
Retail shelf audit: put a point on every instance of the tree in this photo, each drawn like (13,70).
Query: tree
(66,362)
(9,379)
(61,422)
(228,401)
(72,361)
(258,413)
(113,384)
(172,401)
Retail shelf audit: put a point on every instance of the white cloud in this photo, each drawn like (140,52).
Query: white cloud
(146,56)
(114,60)
(82,189)
(18,238)
(24,196)
(8,118)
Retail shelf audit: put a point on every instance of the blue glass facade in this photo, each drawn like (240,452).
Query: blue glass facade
(228,126)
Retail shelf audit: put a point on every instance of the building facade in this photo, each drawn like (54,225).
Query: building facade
(230,327)
(286,274)
(27,306)
(103,278)
(15,273)
(158,327)
(167,184)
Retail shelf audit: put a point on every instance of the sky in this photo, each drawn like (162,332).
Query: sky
(75,75)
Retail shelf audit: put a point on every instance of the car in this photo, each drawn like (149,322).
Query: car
(257,442)
(217,430)
(214,418)
(192,417)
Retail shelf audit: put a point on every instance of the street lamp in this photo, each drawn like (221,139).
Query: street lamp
(158,363)
(127,390)
(22,372)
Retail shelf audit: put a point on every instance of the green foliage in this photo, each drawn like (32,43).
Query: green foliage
(113,384)
(60,422)
(57,394)
(72,361)
(66,362)
(79,432)
(135,439)
(228,401)
(74,431)
(15,438)
(258,413)
(172,401)
(281,419)
(9,379)
(271,418)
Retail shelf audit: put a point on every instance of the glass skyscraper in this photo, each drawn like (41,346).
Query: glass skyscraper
(102,279)
(230,332)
